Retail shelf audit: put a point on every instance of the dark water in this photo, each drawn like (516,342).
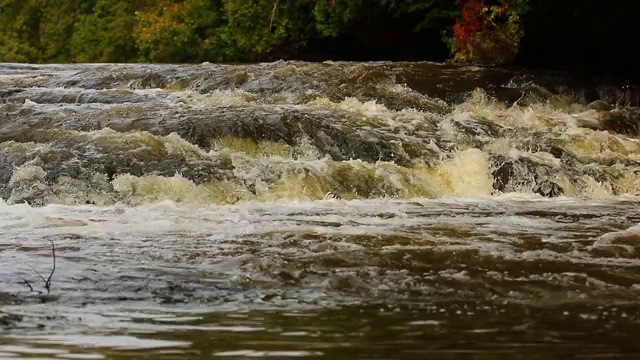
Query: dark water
(325,211)
(438,330)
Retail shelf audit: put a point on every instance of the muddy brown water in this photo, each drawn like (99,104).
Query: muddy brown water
(317,210)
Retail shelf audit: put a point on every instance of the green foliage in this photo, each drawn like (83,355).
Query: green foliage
(333,17)
(19,30)
(177,31)
(57,23)
(38,30)
(224,30)
(435,13)
(105,34)
(12,50)
(257,27)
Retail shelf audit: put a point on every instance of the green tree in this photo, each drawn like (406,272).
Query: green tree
(433,13)
(106,33)
(221,30)
(333,18)
(19,30)
(177,31)
(39,30)
(256,28)
(57,22)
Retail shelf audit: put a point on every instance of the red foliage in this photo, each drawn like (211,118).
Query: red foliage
(469,24)
(476,37)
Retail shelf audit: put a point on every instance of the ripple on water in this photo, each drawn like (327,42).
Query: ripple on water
(294,209)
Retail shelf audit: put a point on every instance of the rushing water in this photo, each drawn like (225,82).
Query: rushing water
(321,211)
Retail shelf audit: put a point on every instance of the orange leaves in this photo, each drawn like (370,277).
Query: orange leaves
(485,34)
(160,33)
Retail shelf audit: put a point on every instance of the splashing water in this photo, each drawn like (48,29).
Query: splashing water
(344,210)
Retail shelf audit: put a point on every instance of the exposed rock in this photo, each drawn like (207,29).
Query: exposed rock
(518,175)
(600,105)
(626,123)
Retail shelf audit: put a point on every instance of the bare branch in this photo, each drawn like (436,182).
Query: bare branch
(511,39)
(28,284)
(47,283)
(37,273)
(273,15)
(517,102)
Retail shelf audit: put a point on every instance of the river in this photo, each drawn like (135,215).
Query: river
(317,210)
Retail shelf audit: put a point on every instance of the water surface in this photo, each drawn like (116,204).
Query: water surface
(322,211)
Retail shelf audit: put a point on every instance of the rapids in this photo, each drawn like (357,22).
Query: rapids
(322,210)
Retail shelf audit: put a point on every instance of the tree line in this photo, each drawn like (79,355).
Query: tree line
(544,32)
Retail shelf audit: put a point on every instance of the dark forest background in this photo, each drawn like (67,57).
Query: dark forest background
(583,36)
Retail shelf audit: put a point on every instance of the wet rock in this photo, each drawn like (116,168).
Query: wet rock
(79,96)
(548,189)
(399,98)
(152,81)
(237,79)
(366,145)
(622,123)
(99,96)
(7,163)
(620,94)
(5,93)
(474,127)
(7,298)
(534,93)
(105,76)
(329,135)
(600,105)
(508,95)
(28,186)
(80,167)
(623,244)
(6,109)
(523,175)
(556,151)
(9,320)
(502,176)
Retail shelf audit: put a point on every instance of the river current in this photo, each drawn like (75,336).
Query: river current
(317,210)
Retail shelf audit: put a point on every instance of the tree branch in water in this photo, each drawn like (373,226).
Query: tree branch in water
(47,284)
(47,281)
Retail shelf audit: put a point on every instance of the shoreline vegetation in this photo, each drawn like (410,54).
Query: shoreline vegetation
(584,36)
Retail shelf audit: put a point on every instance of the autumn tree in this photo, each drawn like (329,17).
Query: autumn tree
(487,33)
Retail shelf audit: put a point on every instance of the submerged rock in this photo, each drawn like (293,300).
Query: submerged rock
(9,320)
